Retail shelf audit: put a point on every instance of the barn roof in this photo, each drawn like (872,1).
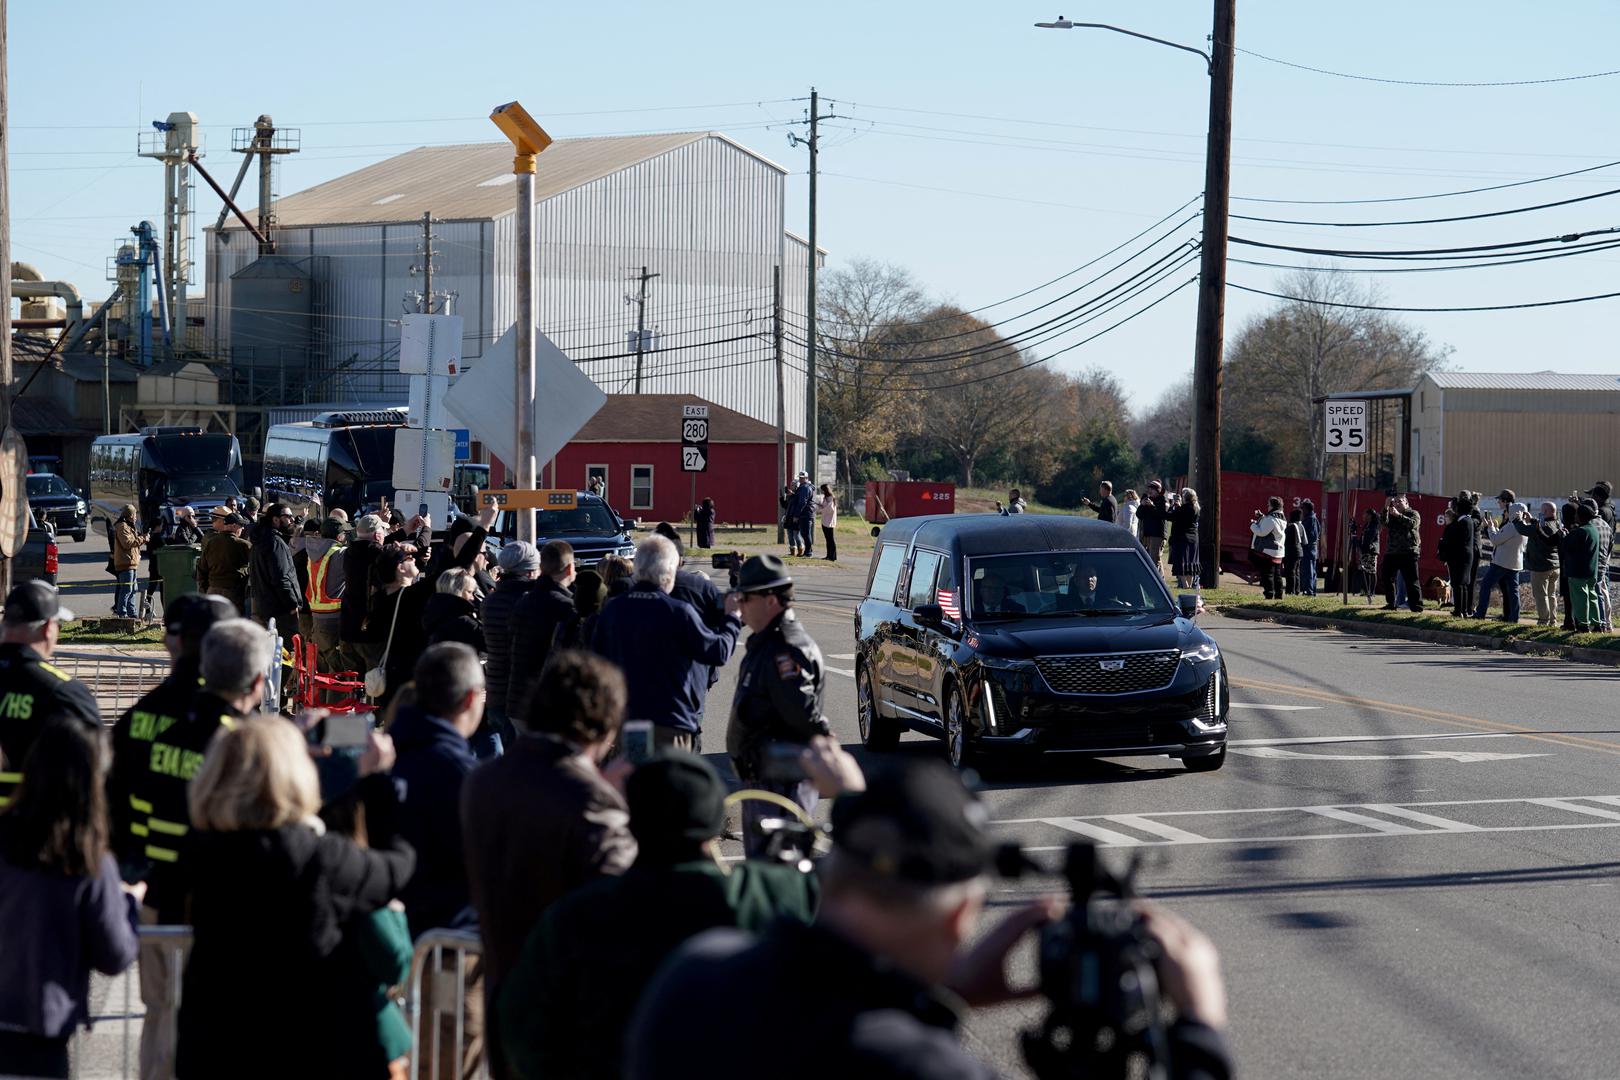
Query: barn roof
(1534,380)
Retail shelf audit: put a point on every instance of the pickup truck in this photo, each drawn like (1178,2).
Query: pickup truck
(38,558)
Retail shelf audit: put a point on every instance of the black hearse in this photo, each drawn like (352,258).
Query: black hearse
(1036,632)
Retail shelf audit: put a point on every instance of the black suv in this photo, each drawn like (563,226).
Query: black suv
(1035,632)
(590,526)
(53,500)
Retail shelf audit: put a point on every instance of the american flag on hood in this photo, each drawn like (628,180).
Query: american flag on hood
(947,601)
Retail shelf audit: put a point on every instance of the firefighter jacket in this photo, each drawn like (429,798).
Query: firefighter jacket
(159,791)
(163,706)
(33,693)
(779,690)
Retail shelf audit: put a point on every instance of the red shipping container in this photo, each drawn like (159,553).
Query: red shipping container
(887,499)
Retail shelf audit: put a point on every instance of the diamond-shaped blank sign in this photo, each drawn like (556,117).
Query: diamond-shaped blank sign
(430,344)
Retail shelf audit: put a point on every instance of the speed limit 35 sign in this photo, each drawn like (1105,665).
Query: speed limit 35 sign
(1346,427)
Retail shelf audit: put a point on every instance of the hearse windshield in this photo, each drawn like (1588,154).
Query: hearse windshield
(1064,584)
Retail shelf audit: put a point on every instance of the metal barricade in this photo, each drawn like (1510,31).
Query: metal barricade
(88,1059)
(448,987)
(117,680)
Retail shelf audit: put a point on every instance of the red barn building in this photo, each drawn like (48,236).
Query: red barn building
(634,444)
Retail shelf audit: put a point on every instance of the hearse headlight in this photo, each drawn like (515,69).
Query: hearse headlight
(1204,650)
(998,663)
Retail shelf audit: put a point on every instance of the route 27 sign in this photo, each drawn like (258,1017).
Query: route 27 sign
(1345,430)
(694,438)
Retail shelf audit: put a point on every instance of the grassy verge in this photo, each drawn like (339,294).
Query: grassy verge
(1330,607)
(109,632)
(983,501)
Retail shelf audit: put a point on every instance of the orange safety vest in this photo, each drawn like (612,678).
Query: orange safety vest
(320,601)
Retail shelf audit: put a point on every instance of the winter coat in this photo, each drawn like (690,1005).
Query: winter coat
(1294,540)
(183,533)
(1184,523)
(222,568)
(665,652)
(271,575)
(706,598)
(534,624)
(448,617)
(1405,537)
(57,928)
(802,502)
(270,905)
(409,637)
(359,560)
(1368,538)
(1127,514)
(432,760)
(536,823)
(126,546)
(566,1005)
(703,517)
(1269,531)
(1508,541)
(1458,543)
(1151,516)
(496,614)
(1541,552)
(1578,552)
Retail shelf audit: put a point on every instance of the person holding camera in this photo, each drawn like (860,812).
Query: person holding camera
(885,965)
(1459,548)
(1268,547)
(780,686)
(1507,558)
(1405,541)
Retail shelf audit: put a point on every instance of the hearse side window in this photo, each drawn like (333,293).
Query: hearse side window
(887,575)
(924,566)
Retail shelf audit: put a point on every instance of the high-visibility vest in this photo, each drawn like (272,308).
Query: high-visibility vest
(322,602)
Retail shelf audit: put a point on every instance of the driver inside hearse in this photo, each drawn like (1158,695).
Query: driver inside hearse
(990,596)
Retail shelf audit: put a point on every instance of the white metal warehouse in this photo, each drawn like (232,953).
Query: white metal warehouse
(699,210)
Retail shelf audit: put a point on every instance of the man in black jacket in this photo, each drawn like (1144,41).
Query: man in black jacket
(520,565)
(273,579)
(361,645)
(534,624)
(1150,519)
(1459,547)
(884,968)
(697,589)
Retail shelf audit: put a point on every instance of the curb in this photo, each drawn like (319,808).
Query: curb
(1577,653)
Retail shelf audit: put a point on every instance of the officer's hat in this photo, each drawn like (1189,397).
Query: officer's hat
(761,573)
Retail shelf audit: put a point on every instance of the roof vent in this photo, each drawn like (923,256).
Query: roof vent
(498,181)
(386,199)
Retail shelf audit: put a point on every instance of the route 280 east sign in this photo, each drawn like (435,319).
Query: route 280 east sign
(1346,427)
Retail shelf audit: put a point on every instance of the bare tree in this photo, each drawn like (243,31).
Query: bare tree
(1281,364)
(860,409)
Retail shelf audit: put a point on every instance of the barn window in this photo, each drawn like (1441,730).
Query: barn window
(641,487)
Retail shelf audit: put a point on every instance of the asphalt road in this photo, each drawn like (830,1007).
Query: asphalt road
(1407,863)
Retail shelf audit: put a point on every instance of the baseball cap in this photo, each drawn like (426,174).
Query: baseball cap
(35,601)
(1602,489)
(190,615)
(235,519)
(1506,496)
(915,822)
(677,796)
(519,557)
(761,572)
(369,525)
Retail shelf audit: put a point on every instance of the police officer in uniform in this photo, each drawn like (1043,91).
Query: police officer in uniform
(234,661)
(184,623)
(779,689)
(33,691)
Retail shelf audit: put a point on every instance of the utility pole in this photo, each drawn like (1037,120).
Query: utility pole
(1205,467)
(640,300)
(106,377)
(811,445)
(424,301)
(781,392)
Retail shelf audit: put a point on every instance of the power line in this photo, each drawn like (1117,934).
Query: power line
(1426,82)
(1530,258)
(1430,221)
(1380,307)
(1345,252)
(1422,198)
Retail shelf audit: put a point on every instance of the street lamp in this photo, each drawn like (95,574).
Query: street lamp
(1205,466)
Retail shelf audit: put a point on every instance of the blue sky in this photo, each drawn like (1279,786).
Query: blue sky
(984,155)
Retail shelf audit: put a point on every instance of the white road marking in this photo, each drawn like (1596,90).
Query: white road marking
(1465,757)
(1440,823)
(1576,808)
(1104,836)
(846,673)
(1376,824)
(1612,799)
(839,655)
(1273,708)
(1311,739)
(1157,828)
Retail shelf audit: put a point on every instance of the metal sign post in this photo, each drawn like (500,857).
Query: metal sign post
(694,450)
(1345,433)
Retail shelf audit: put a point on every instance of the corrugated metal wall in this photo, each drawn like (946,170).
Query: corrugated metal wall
(707,218)
(1543,454)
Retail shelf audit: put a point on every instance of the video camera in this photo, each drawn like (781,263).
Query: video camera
(1098,975)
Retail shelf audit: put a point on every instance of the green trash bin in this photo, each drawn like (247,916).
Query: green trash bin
(176,564)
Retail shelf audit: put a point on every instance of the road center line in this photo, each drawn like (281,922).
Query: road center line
(1274,708)
(1322,739)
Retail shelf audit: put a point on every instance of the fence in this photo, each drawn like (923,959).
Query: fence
(91,1058)
(117,680)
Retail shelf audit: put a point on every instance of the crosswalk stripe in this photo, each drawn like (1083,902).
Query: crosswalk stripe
(1377,824)
(1095,832)
(1156,828)
(1443,824)
(1577,808)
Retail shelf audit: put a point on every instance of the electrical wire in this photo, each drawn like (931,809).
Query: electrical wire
(1435,195)
(1426,82)
(1431,221)
(1381,307)
(1344,252)
(1605,246)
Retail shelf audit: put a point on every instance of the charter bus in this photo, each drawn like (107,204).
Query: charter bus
(339,460)
(161,468)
